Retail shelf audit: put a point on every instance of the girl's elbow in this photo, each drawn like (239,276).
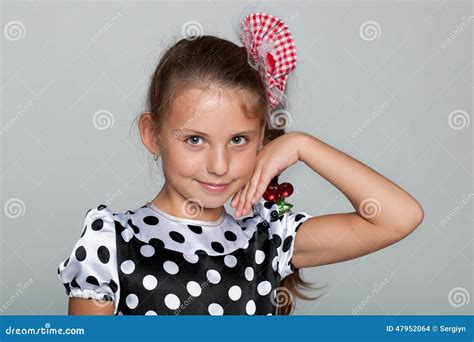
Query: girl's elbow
(416,215)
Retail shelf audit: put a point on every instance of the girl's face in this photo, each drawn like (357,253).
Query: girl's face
(206,138)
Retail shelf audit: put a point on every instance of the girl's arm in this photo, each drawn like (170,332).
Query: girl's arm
(384,214)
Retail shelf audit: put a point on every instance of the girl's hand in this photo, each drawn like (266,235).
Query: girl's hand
(272,159)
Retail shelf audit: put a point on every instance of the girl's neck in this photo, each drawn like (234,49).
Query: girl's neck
(172,203)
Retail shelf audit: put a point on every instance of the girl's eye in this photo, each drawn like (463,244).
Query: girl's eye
(239,139)
(193,139)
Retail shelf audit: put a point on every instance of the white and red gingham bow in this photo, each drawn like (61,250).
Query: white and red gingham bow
(270,50)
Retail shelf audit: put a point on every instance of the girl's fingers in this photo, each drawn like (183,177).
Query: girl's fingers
(262,185)
(252,187)
(235,199)
(241,201)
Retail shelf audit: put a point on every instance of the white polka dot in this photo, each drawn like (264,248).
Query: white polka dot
(170,267)
(259,256)
(127,235)
(230,260)
(249,273)
(127,267)
(246,245)
(235,292)
(193,288)
(264,287)
(215,309)
(191,258)
(132,301)
(147,250)
(275,263)
(149,282)
(250,307)
(213,276)
(150,313)
(172,301)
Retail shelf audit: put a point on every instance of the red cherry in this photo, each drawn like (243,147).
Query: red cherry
(285,189)
(271,192)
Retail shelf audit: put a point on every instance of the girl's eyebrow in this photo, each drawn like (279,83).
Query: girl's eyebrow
(206,135)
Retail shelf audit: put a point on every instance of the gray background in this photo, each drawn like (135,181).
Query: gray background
(399,101)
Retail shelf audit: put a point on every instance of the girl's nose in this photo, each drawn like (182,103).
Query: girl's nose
(218,162)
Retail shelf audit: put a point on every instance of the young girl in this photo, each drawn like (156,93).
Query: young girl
(210,119)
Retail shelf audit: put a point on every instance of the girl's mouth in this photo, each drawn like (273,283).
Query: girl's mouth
(214,187)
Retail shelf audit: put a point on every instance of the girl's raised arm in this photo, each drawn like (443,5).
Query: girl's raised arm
(384,214)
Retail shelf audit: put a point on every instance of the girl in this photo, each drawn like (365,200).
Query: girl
(210,119)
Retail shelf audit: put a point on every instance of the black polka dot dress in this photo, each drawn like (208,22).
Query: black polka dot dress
(151,263)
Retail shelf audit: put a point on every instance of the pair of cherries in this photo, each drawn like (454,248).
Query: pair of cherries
(276,192)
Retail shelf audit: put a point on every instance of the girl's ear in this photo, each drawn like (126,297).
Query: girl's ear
(148,133)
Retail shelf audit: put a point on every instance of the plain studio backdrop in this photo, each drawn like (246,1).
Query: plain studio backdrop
(389,83)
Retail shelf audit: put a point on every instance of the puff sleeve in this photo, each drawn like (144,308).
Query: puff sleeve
(90,271)
(283,232)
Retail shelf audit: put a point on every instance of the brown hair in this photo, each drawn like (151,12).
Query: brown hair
(208,60)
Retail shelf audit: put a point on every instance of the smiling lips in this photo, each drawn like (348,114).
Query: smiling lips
(214,187)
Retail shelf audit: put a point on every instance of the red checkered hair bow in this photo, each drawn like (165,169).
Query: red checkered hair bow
(270,50)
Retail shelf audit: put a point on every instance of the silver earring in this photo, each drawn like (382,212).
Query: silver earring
(155,157)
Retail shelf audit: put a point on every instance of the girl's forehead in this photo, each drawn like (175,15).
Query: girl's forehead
(216,108)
